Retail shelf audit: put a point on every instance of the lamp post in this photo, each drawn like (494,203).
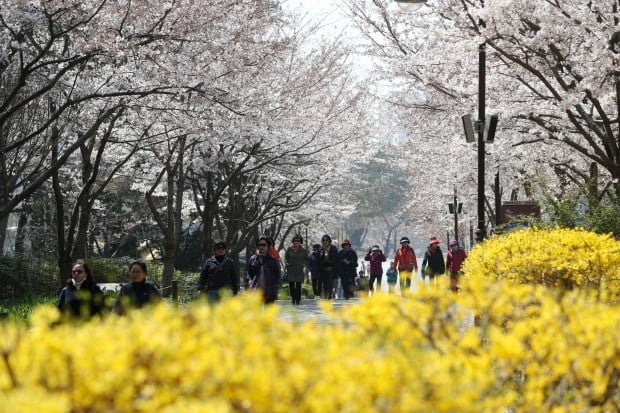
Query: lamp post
(455,208)
(481,232)
(485,128)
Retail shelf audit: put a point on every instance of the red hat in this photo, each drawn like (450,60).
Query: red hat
(345,242)
(434,240)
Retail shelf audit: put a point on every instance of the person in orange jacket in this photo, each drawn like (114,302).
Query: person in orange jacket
(406,262)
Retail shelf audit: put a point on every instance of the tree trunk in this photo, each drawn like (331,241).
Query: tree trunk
(80,243)
(20,235)
(169,253)
(64,262)
(4,223)
(171,224)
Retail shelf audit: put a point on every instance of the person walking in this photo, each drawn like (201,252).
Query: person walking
(138,292)
(392,276)
(454,261)
(376,258)
(313,265)
(433,264)
(347,260)
(406,263)
(328,262)
(264,272)
(296,258)
(81,297)
(218,274)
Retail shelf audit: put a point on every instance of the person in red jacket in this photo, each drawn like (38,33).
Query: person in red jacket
(406,262)
(454,261)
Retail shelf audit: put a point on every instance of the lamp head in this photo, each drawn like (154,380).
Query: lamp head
(411,5)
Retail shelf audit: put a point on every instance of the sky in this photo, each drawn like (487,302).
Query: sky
(321,9)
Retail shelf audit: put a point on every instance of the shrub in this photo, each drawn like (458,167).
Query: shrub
(26,276)
(604,219)
(562,258)
(389,354)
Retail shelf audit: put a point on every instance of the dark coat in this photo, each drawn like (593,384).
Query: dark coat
(85,302)
(295,262)
(313,263)
(219,272)
(434,260)
(271,268)
(328,261)
(137,295)
(350,269)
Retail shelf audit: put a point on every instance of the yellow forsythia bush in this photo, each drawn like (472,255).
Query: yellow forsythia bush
(563,258)
(422,353)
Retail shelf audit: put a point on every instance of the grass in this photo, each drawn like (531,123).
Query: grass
(19,309)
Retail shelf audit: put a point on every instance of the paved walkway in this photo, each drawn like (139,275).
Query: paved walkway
(309,309)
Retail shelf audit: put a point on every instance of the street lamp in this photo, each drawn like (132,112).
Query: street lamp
(455,208)
(411,5)
(484,127)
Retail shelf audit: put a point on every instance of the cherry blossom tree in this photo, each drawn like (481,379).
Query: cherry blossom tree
(558,110)
(60,56)
(259,115)
(232,99)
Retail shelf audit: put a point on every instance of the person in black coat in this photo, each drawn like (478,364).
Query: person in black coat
(347,268)
(138,292)
(218,273)
(313,265)
(81,297)
(328,266)
(433,264)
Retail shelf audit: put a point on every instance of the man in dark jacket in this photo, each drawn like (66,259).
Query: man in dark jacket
(347,259)
(218,272)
